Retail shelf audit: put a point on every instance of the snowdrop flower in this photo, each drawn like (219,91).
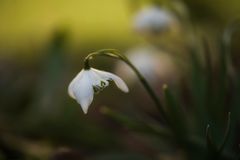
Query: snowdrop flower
(155,65)
(90,81)
(152,20)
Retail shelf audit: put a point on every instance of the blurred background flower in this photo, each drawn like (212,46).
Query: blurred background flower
(153,20)
(157,66)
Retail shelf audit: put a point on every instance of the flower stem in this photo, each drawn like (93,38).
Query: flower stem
(149,89)
(115,54)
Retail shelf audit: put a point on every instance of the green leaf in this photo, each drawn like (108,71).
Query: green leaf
(136,125)
(198,86)
(176,115)
(226,135)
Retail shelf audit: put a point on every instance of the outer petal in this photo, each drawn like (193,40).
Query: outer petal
(109,76)
(72,84)
(81,89)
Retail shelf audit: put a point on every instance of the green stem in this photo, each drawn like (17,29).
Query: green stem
(104,52)
(148,88)
(115,54)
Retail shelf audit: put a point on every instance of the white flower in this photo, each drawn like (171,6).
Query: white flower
(152,20)
(88,82)
(155,65)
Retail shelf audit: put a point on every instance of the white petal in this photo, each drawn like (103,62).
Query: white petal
(117,80)
(82,90)
(72,84)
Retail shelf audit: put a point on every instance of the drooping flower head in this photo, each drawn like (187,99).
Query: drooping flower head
(90,81)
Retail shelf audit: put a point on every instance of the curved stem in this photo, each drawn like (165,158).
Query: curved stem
(104,52)
(148,88)
(115,54)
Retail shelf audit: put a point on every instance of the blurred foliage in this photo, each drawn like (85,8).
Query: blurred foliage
(42,44)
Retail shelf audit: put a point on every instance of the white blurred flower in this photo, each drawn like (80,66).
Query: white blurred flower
(155,65)
(153,19)
(88,82)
